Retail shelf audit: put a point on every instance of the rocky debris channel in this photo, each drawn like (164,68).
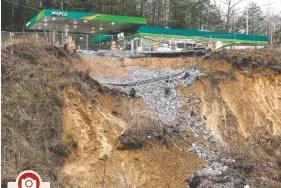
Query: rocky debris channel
(165,103)
(162,98)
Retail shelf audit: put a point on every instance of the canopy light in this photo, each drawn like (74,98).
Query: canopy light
(112,23)
(45,24)
(85,21)
(75,26)
(54,18)
(39,27)
(75,22)
(101,28)
(92,31)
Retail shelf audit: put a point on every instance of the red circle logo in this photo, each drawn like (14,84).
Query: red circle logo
(28,179)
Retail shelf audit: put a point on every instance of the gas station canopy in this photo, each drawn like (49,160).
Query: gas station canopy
(82,22)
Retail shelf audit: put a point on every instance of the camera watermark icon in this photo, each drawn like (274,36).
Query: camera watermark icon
(28,179)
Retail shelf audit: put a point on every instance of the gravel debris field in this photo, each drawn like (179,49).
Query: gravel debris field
(167,105)
(162,98)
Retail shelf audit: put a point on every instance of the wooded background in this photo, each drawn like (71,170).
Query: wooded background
(186,14)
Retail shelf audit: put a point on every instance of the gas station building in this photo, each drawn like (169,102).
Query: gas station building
(62,26)
(89,30)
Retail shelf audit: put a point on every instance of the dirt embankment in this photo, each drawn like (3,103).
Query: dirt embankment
(239,103)
(96,162)
(64,125)
(242,106)
(249,105)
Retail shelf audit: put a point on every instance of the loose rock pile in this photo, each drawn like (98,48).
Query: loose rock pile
(160,96)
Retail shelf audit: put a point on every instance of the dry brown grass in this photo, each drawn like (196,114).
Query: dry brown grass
(32,80)
(140,130)
(263,57)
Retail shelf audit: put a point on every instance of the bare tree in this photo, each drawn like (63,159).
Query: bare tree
(230,12)
(273,24)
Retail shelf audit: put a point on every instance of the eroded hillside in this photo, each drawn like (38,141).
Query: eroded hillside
(238,101)
(242,107)
(217,125)
(61,123)
(250,96)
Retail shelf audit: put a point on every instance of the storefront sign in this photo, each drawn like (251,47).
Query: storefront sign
(58,13)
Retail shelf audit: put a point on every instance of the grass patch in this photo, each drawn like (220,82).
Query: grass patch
(140,131)
(265,57)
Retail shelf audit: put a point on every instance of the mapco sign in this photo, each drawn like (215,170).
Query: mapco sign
(59,13)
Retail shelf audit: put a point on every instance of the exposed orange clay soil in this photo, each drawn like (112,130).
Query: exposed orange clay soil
(96,162)
(238,107)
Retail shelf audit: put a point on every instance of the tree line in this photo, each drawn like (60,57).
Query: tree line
(186,14)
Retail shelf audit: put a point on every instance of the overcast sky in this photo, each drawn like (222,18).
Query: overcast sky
(275,6)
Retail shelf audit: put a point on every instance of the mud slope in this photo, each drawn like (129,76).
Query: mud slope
(240,105)
(91,131)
